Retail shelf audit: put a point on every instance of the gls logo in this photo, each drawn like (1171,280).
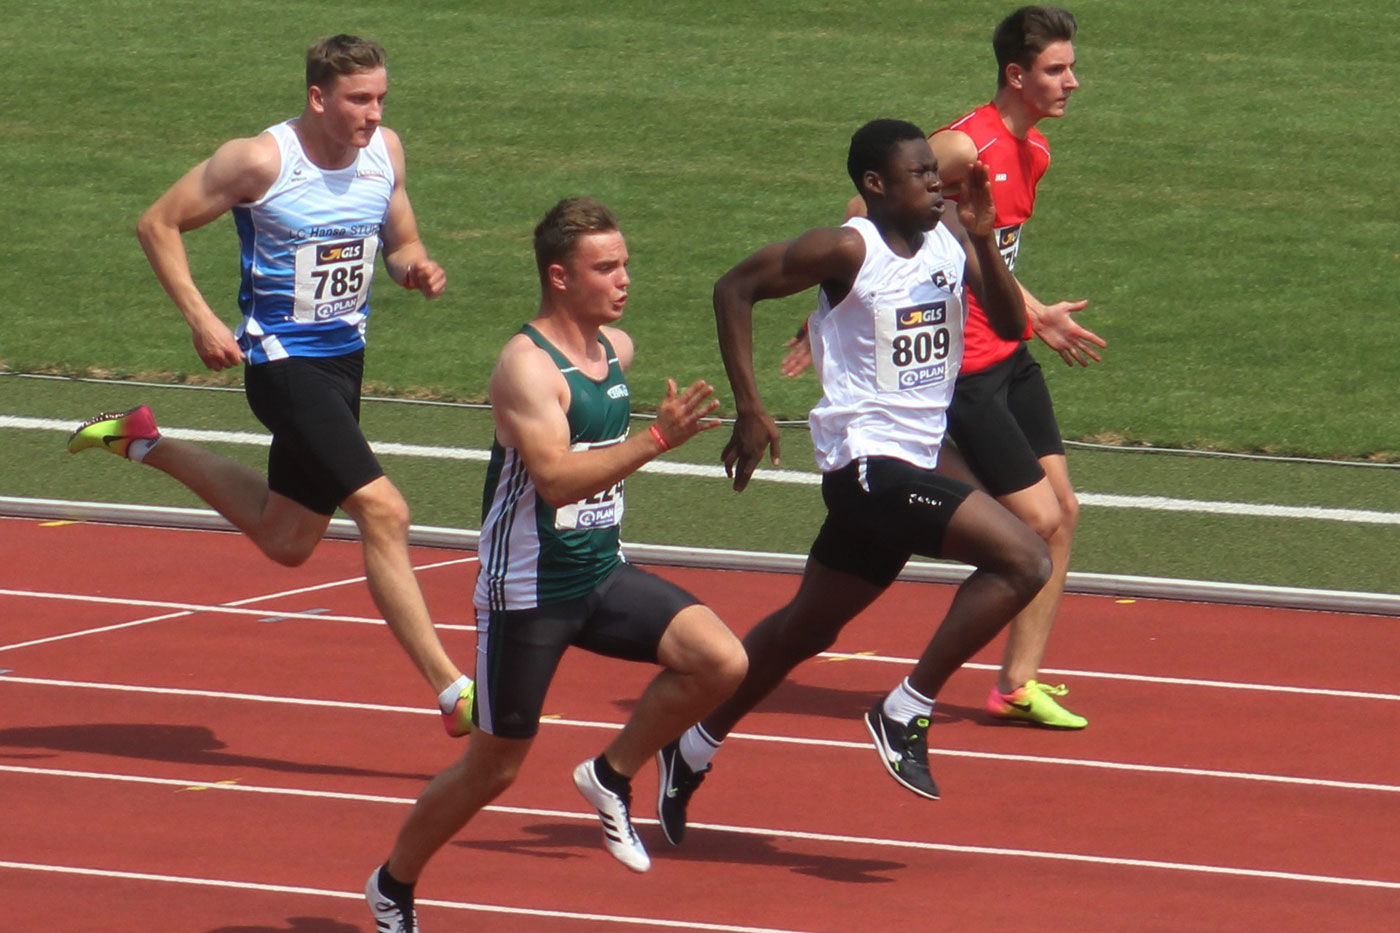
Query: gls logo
(344,251)
(923,315)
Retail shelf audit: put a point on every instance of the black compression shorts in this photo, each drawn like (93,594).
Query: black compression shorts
(312,407)
(518,650)
(1002,422)
(879,512)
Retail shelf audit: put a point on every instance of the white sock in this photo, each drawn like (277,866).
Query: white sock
(138,449)
(905,703)
(698,747)
(447,699)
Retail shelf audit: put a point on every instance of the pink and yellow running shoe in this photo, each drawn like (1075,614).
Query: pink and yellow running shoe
(1035,702)
(115,431)
(458,722)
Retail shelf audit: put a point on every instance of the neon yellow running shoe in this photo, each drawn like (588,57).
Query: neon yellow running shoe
(1035,702)
(458,722)
(114,431)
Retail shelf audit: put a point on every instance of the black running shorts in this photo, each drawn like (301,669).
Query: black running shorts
(312,407)
(518,650)
(879,512)
(1002,422)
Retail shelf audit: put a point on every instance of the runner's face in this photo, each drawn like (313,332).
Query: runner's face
(1046,86)
(354,105)
(912,184)
(596,277)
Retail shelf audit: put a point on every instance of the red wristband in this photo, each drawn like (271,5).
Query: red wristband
(661,441)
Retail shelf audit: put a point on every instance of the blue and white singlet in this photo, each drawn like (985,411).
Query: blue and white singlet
(307,250)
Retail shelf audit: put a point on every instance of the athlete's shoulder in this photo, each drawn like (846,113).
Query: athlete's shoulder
(246,166)
(621,343)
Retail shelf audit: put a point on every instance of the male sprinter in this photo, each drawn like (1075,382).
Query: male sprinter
(315,200)
(887,340)
(1001,419)
(552,574)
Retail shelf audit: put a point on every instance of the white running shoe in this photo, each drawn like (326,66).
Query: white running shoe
(618,835)
(388,916)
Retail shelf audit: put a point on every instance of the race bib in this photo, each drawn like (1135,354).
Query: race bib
(332,278)
(601,510)
(1009,243)
(913,345)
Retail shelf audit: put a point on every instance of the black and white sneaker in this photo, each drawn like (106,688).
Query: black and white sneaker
(675,784)
(903,749)
(618,835)
(389,915)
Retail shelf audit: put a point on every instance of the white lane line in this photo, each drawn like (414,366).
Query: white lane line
(231,608)
(1134,678)
(651,922)
(805,478)
(743,736)
(184,609)
(840,838)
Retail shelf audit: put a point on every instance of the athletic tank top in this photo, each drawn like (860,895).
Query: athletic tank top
(1016,167)
(888,353)
(307,251)
(531,553)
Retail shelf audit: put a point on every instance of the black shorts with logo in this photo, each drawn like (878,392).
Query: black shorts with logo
(518,650)
(312,407)
(1002,422)
(880,511)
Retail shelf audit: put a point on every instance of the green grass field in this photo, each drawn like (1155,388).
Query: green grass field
(1220,192)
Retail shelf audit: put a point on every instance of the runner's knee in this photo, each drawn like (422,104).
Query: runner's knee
(381,508)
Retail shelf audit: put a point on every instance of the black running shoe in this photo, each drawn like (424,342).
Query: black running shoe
(903,749)
(675,783)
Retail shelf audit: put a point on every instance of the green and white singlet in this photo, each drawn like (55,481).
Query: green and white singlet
(531,553)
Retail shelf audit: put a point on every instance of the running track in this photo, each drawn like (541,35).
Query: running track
(192,739)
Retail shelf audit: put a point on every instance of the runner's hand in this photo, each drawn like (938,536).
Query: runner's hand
(427,277)
(752,433)
(681,416)
(215,344)
(799,355)
(976,209)
(1056,326)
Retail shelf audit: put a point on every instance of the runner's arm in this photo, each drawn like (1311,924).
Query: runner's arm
(239,171)
(529,399)
(405,255)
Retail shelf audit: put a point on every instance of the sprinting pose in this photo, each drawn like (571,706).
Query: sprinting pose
(315,200)
(552,574)
(887,339)
(1001,419)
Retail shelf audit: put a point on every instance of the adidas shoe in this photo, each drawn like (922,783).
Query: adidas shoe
(1035,702)
(458,722)
(389,916)
(903,749)
(618,835)
(675,784)
(114,431)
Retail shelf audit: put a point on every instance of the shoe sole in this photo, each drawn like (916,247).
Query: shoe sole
(882,747)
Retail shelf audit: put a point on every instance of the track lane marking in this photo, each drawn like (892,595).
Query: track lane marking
(553,720)
(653,922)
(839,838)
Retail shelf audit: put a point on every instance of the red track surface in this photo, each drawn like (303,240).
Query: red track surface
(164,805)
